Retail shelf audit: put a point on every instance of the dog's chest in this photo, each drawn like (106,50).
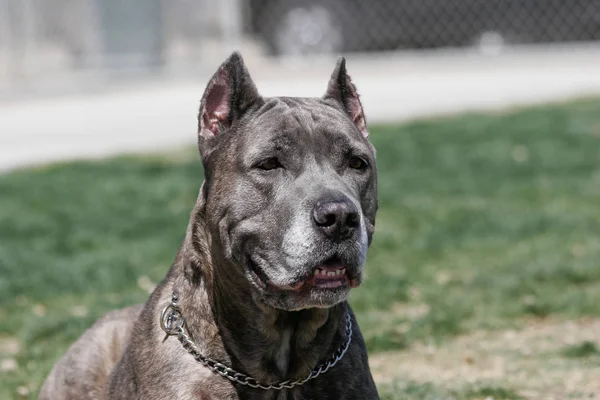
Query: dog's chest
(282,351)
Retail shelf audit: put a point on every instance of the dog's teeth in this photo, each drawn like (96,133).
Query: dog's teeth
(322,272)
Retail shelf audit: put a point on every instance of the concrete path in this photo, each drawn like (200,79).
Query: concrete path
(161,115)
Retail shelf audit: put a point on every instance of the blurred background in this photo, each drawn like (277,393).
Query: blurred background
(409,57)
(483,279)
(57,37)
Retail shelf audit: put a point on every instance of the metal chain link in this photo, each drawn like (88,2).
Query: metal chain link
(172,322)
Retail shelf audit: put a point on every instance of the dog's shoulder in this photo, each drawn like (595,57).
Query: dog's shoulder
(87,364)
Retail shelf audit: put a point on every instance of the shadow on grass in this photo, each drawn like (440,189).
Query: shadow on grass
(581,350)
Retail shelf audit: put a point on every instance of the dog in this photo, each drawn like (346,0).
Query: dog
(255,303)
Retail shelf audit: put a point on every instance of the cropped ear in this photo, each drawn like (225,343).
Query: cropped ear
(229,93)
(342,90)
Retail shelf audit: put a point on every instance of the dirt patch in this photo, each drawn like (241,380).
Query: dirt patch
(9,346)
(529,361)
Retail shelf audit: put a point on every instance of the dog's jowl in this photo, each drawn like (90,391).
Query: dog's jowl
(255,304)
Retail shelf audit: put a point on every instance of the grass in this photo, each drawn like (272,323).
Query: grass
(581,350)
(426,391)
(486,222)
(412,391)
(420,391)
(496,393)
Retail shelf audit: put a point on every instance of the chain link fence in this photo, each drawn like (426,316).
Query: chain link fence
(40,37)
(312,26)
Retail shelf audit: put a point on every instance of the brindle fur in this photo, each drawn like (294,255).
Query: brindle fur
(126,355)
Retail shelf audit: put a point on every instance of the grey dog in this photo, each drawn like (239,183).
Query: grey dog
(255,303)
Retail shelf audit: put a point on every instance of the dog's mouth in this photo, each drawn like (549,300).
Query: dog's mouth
(329,275)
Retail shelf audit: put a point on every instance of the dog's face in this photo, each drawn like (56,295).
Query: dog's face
(290,187)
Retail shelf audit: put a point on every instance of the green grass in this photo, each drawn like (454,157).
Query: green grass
(484,220)
(581,350)
(425,391)
(413,391)
(496,393)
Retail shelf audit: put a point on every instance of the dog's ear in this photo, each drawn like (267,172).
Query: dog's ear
(342,90)
(229,94)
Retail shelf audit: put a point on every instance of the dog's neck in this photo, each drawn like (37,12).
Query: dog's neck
(272,344)
(230,325)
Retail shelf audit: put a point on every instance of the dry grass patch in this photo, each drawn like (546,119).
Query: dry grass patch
(531,360)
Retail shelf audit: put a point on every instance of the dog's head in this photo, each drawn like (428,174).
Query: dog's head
(290,191)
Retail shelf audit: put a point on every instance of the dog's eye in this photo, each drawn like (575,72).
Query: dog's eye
(269,164)
(357,163)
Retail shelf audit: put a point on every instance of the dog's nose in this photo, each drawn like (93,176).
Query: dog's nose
(337,219)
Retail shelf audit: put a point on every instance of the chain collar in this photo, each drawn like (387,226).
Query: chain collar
(173,323)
